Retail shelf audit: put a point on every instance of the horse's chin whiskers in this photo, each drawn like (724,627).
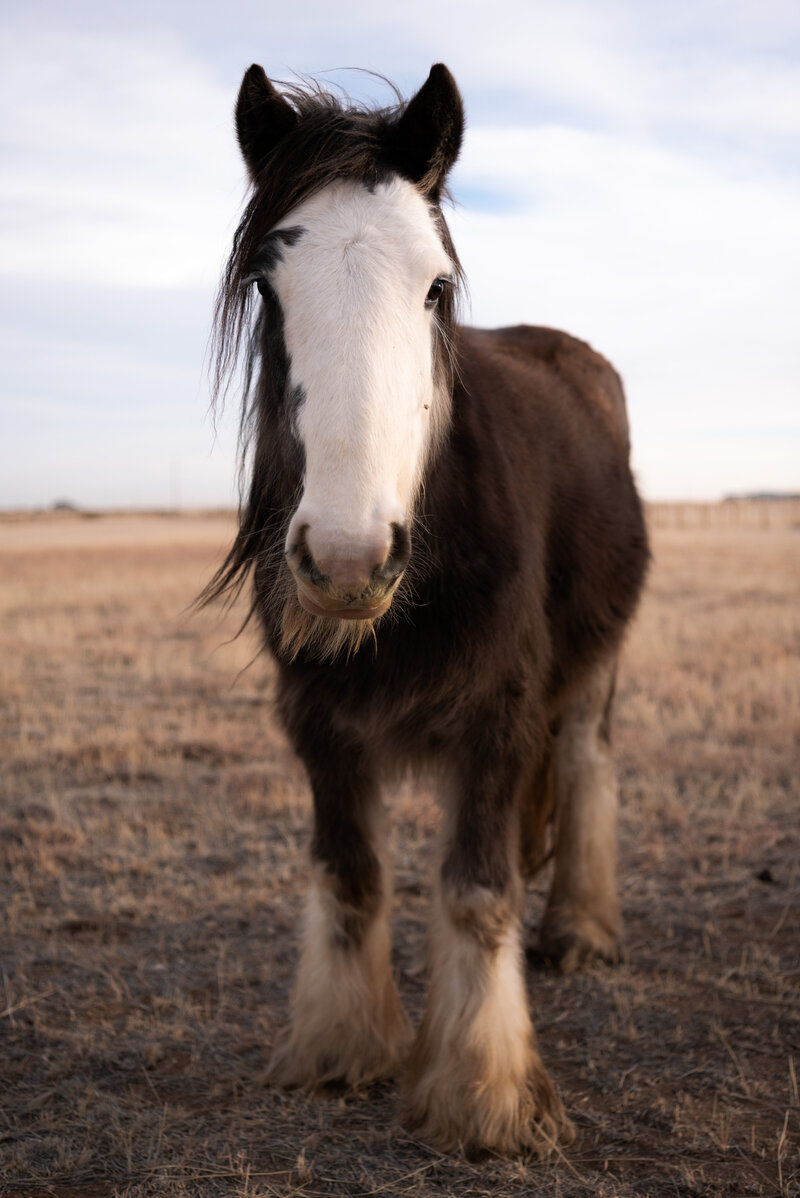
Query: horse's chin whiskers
(322,638)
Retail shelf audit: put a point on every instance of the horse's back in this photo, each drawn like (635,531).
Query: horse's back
(545,361)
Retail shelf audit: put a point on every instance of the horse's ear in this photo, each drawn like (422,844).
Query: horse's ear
(263,117)
(424,143)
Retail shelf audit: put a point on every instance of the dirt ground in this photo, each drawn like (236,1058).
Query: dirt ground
(153,834)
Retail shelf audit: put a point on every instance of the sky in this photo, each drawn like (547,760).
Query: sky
(630,173)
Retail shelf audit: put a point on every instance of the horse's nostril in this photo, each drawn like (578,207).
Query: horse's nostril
(401,545)
(308,569)
(399,554)
(302,562)
(298,548)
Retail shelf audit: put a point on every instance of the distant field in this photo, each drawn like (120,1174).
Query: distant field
(153,831)
(733,513)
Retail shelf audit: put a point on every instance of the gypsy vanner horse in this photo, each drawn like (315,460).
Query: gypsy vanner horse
(445,545)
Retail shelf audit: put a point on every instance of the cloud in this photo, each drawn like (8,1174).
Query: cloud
(120,163)
(606,220)
(684,275)
(119,197)
(627,174)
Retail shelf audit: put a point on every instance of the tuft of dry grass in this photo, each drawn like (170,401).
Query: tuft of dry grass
(153,831)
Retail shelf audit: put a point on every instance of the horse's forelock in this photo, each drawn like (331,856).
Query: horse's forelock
(332,140)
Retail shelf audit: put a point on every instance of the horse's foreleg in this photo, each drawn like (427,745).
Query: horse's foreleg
(475,1079)
(582,919)
(346,1019)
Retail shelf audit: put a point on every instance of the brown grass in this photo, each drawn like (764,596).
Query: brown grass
(152,854)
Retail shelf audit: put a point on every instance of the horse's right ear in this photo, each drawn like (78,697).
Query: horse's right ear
(263,117)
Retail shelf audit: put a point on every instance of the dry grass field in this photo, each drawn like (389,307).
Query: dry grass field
(153,831)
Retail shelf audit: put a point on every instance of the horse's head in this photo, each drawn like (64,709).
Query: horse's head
(356,273)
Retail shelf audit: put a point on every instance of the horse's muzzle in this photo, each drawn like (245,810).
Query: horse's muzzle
(349,586)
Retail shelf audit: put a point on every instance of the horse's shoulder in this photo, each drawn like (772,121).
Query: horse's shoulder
(584,371)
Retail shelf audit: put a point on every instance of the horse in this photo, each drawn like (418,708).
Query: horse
(445,546)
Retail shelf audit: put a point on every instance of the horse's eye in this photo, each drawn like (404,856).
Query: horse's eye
(263,286)
(435,292)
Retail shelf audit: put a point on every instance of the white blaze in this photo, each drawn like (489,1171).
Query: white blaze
(360,345)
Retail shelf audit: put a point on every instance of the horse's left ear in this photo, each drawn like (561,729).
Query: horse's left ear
(424,143)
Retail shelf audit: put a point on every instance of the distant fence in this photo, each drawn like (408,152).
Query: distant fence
(730,513)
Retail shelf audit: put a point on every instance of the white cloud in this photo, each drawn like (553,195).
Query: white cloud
(607,224)
(640,149)
(122,163)
(685,275)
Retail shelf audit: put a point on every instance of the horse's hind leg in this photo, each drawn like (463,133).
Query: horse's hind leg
(347,1023)
(582,919)
(536,810)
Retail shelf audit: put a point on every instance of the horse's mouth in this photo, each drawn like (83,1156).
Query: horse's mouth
(323,605)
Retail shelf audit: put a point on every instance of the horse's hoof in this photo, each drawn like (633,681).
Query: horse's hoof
(524,1118)
(353,1057)
(586,943)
